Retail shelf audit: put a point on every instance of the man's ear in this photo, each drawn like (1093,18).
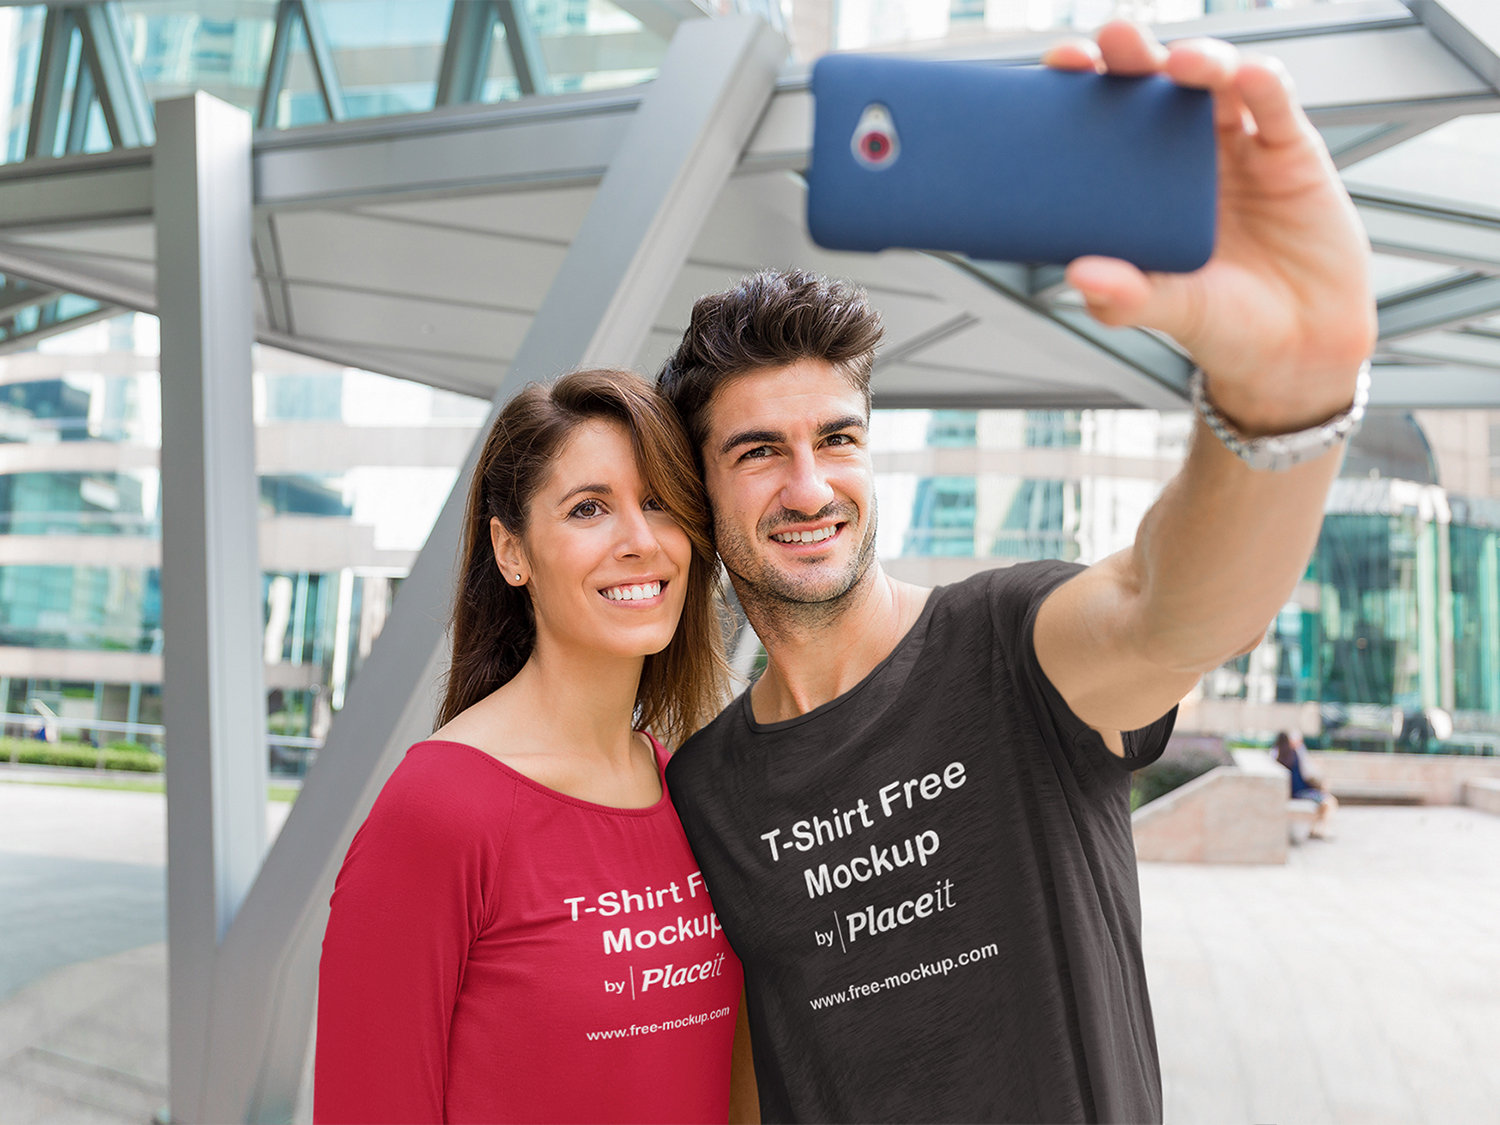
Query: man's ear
(509,555)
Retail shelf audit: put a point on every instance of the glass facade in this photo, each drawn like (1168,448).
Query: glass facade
(348,491)
(98,503)
(347,58)
(109,609)
(1397,615)
(1009,517)
(218,46)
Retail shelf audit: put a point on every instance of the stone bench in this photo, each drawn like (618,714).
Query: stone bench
(1363,792)
(1483,793)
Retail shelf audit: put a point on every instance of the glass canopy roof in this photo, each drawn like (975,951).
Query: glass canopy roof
(301,62)
(1409,109)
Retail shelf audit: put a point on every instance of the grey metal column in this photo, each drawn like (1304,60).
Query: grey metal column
(680,149)
(212,698)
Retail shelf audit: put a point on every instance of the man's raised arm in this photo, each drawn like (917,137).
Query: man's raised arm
(1279,320)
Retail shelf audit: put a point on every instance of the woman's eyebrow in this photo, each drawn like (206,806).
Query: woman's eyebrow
(601,489)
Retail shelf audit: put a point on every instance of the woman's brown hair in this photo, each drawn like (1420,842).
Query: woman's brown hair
(493,626)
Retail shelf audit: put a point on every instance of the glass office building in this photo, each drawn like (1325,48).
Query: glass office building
(353,468)
(1398,613)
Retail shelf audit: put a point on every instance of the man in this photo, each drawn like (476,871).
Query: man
(915,825)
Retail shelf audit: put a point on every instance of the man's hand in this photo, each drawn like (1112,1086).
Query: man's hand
(1280,319)
(1281,316)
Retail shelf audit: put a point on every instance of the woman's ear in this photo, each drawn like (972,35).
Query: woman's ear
(509,556)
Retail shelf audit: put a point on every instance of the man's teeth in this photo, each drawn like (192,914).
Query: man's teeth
(633,593)
(805,536)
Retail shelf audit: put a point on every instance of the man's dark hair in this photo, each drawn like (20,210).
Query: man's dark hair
(771,319)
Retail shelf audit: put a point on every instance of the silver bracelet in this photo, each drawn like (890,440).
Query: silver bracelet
(1278,452)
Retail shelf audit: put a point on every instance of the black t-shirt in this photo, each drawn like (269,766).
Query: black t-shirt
(931,882)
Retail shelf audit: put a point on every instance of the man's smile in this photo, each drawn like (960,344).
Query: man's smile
(808,535)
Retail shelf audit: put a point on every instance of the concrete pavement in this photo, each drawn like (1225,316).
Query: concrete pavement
(83,976)
(1359,983)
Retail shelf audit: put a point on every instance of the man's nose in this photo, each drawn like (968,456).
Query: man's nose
(806,488)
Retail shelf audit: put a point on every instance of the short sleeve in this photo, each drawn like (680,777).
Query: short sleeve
(1016,595)
(407,905)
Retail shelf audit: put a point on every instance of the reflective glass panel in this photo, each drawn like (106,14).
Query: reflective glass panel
(81,607)
(20,47)
(118,502)
(82,407)
(593,45)
(500,83)
(219,46)
(300,100)
(387,52)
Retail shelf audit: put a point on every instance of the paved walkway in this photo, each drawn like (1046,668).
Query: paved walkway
(1359,983)
(83,976)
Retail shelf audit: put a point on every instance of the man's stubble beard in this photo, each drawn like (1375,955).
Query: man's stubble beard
(776,602)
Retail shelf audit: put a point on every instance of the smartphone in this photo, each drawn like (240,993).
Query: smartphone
(1015,164)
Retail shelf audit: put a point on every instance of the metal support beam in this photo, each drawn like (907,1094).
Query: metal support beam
(1046,281)
(466,52)
(1379,138)
(24,340)
(276,64)
(122,95)
(1468,28)
(320,54)
(78,114)
(1431,307)
(289,15)
(212,698)
(17,293)
(680,149)
(1471,347)
(1411,227)
(1433,386)
(1150,371)
(51,79)
(526,57)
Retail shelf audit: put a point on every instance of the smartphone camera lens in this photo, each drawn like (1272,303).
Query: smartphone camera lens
(875,144)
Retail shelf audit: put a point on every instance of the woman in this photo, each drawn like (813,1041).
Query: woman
(519,931)
(1291,752)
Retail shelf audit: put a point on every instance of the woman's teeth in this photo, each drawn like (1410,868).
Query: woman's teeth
(633,593)
(806,536)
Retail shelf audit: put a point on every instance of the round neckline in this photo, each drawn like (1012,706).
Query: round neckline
(919,627)
(658,751)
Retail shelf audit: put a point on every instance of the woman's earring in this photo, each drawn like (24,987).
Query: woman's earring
(518,578)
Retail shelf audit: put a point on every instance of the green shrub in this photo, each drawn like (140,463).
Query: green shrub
(1175,768)
(34,753)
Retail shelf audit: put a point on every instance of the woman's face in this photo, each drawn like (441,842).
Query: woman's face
(606,566)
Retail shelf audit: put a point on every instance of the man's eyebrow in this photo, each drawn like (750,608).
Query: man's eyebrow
(601,489)
(751,437)
(771,437)
(848,422)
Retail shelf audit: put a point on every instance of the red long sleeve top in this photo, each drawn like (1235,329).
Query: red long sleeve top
(498,951)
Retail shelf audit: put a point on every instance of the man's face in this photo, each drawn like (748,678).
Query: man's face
(787,465)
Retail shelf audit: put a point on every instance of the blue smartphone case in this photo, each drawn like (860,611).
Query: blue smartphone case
(1017,164)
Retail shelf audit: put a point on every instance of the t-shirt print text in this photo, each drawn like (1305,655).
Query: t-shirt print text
(894,799)
(697,923)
